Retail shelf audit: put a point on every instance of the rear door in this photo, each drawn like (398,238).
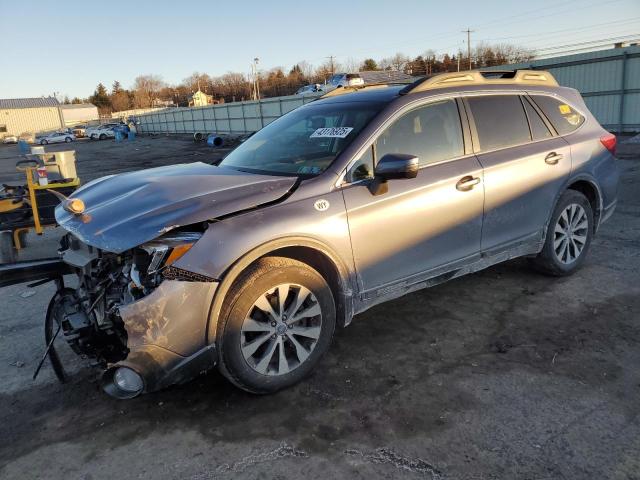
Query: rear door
(525,164)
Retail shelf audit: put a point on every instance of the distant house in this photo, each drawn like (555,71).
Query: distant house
(75,114)
(201,99)
(162,103)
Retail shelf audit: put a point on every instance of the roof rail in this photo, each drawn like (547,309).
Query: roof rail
(369,86)
(482,77)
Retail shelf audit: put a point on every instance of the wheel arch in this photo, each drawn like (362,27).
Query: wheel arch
(589,188)
(307,250)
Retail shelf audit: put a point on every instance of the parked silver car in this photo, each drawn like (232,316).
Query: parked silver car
(63,136)
(354,199)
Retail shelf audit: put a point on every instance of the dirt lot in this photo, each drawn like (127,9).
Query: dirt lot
(504,374)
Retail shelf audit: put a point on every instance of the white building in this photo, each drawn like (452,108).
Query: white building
(75,114)
(23,115)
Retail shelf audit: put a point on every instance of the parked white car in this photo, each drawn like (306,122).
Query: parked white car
(55,137)
(10,139)
(102,133)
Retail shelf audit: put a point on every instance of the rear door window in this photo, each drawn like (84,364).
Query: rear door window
(562,116)
(432,133)
(539,130)
(500,121)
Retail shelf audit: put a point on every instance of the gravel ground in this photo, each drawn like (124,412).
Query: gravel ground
(504,374)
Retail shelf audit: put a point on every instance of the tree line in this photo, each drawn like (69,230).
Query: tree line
(150,90)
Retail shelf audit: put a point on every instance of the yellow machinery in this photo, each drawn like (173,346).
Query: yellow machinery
(30,206)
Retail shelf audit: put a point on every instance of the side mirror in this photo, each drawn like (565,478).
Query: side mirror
(393,166)
(397,165)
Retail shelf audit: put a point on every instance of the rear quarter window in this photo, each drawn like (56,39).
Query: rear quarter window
(564,118)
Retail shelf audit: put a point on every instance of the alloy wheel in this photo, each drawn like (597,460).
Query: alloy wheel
(570,233)
(281,329)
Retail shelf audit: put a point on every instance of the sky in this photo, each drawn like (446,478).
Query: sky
(69,47)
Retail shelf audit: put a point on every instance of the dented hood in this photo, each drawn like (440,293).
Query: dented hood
(124,211)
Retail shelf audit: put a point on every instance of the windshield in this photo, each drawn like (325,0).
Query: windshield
(303,142)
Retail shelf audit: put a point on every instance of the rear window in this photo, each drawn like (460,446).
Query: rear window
(561,115)
(500,121)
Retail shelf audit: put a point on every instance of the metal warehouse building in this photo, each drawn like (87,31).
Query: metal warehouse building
(74,114)
(609,81)
(22,115)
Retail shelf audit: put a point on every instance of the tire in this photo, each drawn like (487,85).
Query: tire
(43,142)
(554,259)
(8,254)
(50,327)
(306,291)
(68,140)
(102,136)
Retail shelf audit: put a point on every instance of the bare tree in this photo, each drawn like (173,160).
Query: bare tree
(398,62)
(146,88)
(199,80)
(351,65)
(305,68)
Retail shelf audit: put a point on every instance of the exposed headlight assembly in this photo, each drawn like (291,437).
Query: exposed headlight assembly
(167,249)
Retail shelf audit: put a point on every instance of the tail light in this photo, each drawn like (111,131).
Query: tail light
(609,141)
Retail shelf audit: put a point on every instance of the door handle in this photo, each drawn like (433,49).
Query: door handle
(553,158)
(467,183)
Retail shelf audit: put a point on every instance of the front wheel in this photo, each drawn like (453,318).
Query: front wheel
(67,139)
(279,321)
(102,136)
(568,236)
(43,142)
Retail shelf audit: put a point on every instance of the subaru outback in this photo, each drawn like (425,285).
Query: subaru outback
(357,198)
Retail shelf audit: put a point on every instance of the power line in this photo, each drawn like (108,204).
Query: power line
(611,39)
(565,30)
(527,13)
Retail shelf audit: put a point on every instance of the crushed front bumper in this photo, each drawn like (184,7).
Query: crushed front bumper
(166,335)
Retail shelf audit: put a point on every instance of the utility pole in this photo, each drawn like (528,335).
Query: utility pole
(256,79)
(331,57)
(468,32)
(459,55)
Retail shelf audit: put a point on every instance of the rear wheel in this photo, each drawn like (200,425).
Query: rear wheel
(43,142)
(67,139)
(568,236)
(102,136)
(279,321)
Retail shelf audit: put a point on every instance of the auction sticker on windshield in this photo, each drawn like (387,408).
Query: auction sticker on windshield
(331,132)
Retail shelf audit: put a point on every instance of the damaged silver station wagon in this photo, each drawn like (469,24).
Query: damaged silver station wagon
(359,197)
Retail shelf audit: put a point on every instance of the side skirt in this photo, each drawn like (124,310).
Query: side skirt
(530,245)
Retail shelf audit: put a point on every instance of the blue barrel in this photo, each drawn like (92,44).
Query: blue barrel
(131,135)
(119,136)
(23,147)
(214,140)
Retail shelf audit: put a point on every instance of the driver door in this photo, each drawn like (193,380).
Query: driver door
(421,225)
